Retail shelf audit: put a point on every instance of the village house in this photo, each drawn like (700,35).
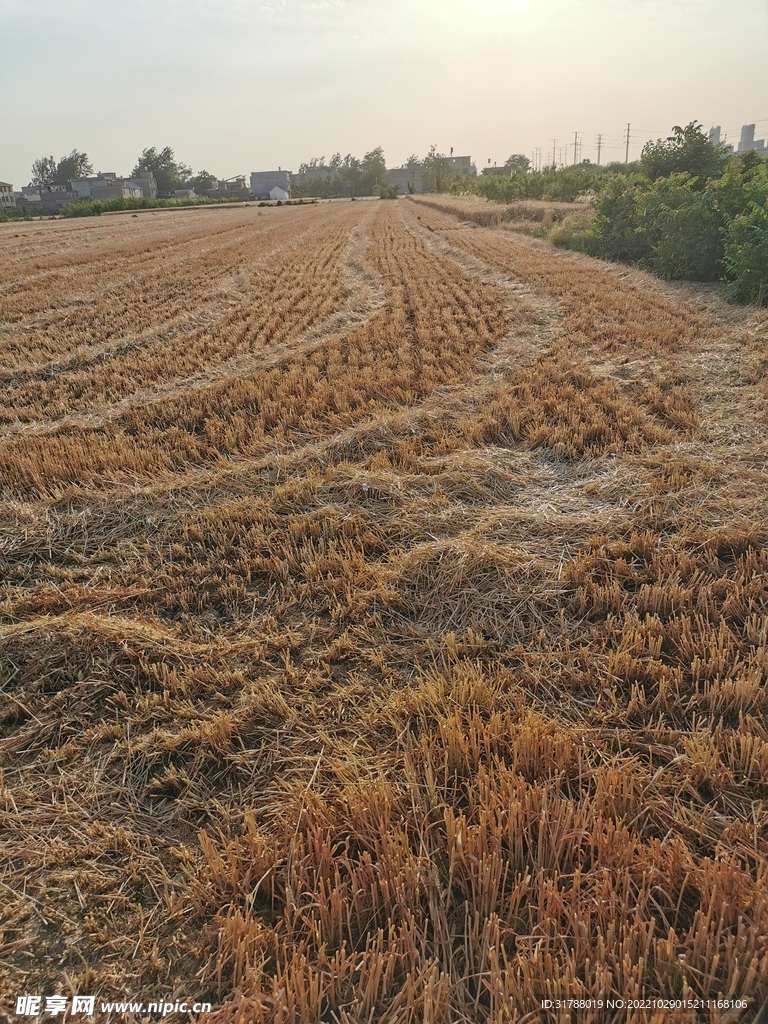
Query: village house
(7,198)
(45,200)
(108,185)
(262,183)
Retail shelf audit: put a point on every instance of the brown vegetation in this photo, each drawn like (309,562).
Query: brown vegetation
(525,216)
(384,623)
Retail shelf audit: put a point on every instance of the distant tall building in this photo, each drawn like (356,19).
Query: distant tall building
(715,137)
(748,141)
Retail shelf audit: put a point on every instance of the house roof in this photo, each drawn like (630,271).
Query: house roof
(6,183)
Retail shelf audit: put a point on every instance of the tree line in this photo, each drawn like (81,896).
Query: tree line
(686,210)
(171,174)
(339,176)
(691,211)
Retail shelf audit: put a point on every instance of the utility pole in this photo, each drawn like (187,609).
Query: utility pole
(554,153)
(626,154)
(599,147)
(575,147)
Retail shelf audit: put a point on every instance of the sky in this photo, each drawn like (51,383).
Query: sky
(240,85)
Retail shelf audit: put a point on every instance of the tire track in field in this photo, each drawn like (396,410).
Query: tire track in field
(722,465)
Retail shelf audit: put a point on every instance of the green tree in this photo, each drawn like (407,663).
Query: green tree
(517,162)
(372,171)
(688,150)
(202,181)
(44,171)
(436,171)
(314,168)
(76,165)
(168,172)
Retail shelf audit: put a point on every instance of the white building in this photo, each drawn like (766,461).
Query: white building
(463,164)
(262,182)
(278,192)
(7,198)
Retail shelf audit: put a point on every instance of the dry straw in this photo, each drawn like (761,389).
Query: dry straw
(369,652)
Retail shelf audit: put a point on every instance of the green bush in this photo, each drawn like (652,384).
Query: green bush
(618,232)
(746,254)
(681,226)
(689,151)
(683,229)
(666,226)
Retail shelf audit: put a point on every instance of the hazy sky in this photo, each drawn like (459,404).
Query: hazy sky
(241,85)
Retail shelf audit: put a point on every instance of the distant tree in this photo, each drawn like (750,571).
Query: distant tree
(342,176)
(76,165)
(619,167)
(688,149)
(202,181)
(168,172)
(517,162)
(372,170)
(436,171)
(316,164)
(46,172)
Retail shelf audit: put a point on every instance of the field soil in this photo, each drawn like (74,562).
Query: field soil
(383,623)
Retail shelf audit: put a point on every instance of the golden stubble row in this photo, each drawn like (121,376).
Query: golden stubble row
(121,316)
(356,725)
(281,293)
(436,322)
(605,312)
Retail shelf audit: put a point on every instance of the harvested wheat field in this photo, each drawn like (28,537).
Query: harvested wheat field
(384,623)
(525,215)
